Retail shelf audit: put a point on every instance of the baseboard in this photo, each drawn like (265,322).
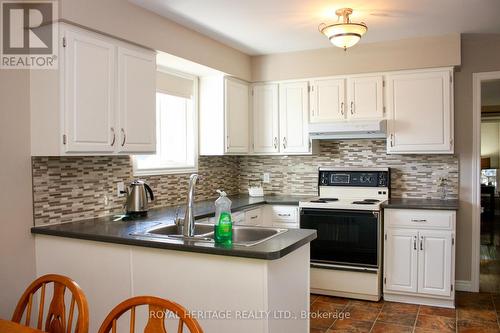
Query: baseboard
(463,285)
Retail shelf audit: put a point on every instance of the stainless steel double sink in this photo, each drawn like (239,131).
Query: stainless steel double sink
(242,235)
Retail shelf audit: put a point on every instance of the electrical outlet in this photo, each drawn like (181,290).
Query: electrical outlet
(120,188)
(266,177)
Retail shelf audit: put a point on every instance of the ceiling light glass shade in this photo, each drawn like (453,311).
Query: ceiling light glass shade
(344,35)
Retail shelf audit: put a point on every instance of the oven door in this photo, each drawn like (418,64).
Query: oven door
(345,238)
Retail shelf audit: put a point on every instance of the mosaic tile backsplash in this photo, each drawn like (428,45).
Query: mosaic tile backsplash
(411,175)
(73,188)
(68,189)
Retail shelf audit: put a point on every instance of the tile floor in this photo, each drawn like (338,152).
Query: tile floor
(475,312)
(490,254)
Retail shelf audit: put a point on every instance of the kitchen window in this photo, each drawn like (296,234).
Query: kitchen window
(176,127)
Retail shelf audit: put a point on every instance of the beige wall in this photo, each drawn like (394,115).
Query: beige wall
(363,58)
(480,53)
(17,254)
(122,19)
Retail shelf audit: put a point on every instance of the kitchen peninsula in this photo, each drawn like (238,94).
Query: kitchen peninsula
(267,282)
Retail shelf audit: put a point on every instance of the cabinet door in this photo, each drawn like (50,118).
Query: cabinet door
(420,113)
(253,217)
(365,97)
(328,100)
(89,94)
(401,260)
(136,101)
(293,106)
(236,116)
(434,262)
(265,118)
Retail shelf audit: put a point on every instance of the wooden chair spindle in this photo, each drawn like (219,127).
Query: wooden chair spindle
(40,307)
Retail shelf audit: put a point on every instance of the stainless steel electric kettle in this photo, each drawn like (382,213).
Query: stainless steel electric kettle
(137,198)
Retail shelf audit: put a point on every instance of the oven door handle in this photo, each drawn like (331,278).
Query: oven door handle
(344,267)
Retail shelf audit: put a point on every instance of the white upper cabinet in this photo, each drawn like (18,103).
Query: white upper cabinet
(327,100)
(89,90)
(136,101)
(100,101)
(365,97)
(237,118)
(419,106)
(224,118)
(293,114)
(265,118)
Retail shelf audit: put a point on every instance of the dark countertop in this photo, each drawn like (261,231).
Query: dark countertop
(414,203)
(113,229)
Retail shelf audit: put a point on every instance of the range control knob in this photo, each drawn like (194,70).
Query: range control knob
(382,180)
(323,179)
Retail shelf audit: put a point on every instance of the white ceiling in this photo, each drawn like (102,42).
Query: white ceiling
(273,26)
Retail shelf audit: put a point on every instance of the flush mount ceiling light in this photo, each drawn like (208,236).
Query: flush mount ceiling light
(345,34)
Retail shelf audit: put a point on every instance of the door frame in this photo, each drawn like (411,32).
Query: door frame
(477,79)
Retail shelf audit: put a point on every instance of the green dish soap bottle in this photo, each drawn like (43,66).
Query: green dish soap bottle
(223,230)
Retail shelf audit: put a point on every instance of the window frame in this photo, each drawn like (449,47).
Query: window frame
(195,103)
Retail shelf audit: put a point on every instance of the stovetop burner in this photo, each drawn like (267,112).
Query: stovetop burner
(366,202)
(324,200)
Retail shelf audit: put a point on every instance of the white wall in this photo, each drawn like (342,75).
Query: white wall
(17,254)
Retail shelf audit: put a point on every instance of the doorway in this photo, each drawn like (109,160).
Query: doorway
(486,224)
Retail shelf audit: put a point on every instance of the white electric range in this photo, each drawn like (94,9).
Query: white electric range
(346,258)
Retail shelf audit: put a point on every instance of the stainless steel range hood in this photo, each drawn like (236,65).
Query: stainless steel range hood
(357,129)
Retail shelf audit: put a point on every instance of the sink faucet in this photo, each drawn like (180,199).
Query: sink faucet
(188,228)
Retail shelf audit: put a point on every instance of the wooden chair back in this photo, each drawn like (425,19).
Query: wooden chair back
(56,320)
(157,309)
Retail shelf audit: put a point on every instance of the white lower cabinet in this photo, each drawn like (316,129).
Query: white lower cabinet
(419,259)
(277,216)
(282,216)
(253,217)
(434,262)
(401,264)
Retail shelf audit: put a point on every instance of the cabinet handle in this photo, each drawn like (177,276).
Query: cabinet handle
(275,142)
(418,220)
(392,136)
(124,137)
(284,142)
(342,108)
(284,215)
(421,243)
(352,107)
(227,142)
(414,242)
(114,136)
(254,217)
